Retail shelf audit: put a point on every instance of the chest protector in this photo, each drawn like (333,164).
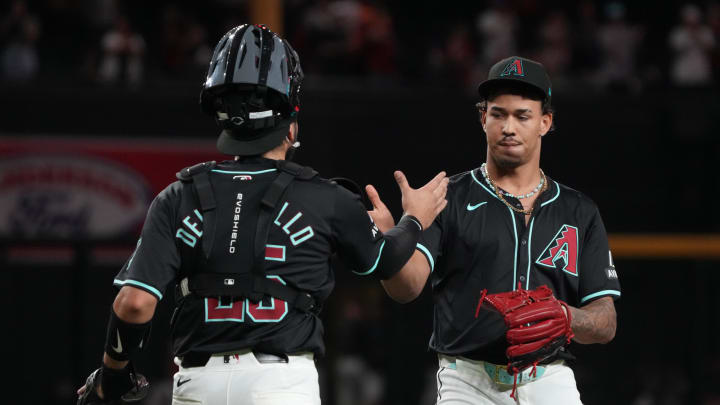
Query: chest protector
(237,275)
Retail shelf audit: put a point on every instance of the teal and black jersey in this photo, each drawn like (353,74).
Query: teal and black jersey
(479,243)
(313,220)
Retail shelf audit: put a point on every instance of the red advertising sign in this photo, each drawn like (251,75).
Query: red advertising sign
(83,187)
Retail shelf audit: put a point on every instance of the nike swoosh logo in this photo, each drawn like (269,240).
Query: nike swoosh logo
(117,348)
(471,207)
(179,383)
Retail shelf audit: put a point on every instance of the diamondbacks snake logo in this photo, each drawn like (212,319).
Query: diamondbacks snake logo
(564,248)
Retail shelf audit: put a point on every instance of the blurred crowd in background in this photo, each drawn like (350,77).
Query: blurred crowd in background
(605,44)
(608,46)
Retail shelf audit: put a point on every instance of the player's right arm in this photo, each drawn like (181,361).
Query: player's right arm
(385,253)
(594,320)
(408,283)
(134,306)
(142,279)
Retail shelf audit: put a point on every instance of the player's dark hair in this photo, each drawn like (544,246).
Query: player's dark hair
(516,88)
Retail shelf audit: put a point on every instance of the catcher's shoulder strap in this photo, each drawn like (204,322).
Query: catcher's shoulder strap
(199,175)
(289,171)
(296,170)
(187,173)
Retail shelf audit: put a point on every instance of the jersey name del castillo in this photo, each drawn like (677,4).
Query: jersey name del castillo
(314,220)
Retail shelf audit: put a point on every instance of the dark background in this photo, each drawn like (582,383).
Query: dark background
(390,85)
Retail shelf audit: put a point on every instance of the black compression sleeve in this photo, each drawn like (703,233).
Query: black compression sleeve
(124,338)
(400,242)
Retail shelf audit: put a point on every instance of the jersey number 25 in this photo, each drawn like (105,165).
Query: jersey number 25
(274,311)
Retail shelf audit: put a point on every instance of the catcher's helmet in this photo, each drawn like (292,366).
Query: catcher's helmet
(252,89)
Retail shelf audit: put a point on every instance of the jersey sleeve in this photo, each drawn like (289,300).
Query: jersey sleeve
(598,277)
(154,263)
(431,241)
(359,241)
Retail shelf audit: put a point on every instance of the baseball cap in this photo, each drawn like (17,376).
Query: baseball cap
(255,142)
(518,69)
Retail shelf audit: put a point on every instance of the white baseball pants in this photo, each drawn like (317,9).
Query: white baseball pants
(242,380)
(466,382)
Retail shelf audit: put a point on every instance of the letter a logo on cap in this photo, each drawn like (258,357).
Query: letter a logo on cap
(513,68)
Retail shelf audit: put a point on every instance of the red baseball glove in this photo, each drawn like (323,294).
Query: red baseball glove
(538,327)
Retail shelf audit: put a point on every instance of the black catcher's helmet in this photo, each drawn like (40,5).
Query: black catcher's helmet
(252,89)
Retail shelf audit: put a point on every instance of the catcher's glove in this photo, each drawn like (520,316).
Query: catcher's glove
(119,386)
(538,327)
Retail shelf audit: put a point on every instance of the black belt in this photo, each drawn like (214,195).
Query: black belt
(194,359)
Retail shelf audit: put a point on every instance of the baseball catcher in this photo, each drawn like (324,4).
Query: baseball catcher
(246,243)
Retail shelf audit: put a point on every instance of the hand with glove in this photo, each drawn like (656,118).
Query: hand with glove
(538,325)
(123,385)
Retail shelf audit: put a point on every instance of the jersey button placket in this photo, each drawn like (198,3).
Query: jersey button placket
(523,254)
(523,258)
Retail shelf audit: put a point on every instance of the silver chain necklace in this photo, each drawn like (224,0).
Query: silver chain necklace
(483,170)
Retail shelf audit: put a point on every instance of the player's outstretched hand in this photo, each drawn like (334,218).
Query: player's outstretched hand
(380,213)
(426,202)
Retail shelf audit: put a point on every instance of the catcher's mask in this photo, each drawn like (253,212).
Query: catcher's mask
(252,90)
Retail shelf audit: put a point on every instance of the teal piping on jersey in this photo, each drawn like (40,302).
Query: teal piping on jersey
(599,293)
(529,256)
(139,284)
(374,265)
(137,246)
(512,215)
(233,172)
(557,187)
(427,254)
(472,173)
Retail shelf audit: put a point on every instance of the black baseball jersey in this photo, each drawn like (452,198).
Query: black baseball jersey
(315,219)
(479,243)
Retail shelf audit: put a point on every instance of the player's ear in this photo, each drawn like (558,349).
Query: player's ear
(545,123)
(481,110)
(292,132)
